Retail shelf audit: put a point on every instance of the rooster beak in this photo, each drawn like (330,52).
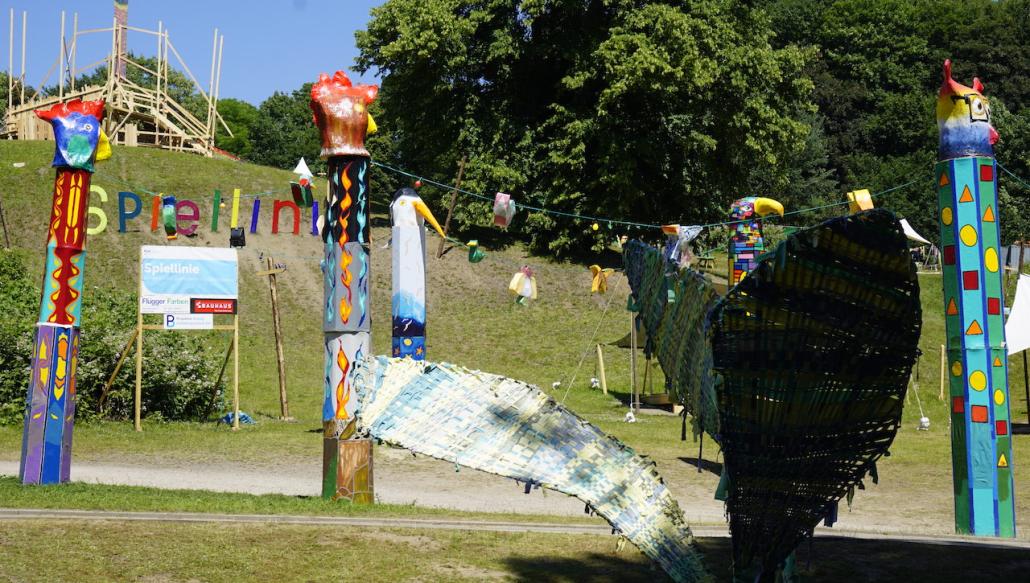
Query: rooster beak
(992,135)
(104,147)
(423,210)
(768,206)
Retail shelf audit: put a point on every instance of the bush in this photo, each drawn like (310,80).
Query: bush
(179,368)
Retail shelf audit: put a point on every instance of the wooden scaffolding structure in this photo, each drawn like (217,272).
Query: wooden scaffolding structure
(135,115)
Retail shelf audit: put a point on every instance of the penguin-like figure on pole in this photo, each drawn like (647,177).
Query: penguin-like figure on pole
(408,214)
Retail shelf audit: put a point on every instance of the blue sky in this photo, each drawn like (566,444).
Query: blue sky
(270,45)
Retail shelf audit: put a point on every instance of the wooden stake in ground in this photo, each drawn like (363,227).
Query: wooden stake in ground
(117,367)
(3,222)
(600,368)
(280,358)
(634,401)
(450,207)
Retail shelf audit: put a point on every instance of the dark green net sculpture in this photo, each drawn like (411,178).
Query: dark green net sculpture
(810,358)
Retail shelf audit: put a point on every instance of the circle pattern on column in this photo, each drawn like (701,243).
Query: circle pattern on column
(968,235)
(991,260)
(978,380)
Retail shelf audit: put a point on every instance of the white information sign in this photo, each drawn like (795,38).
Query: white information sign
(174,280)
(189,321)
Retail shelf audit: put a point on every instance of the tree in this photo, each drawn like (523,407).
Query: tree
(644,110)
(240,116)
(284,131)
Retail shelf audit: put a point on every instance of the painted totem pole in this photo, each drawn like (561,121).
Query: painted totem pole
(746,242)
(409,214)
(973,296)
(340,112)
(50,409)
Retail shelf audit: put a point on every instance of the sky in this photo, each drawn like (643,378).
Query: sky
(270,45)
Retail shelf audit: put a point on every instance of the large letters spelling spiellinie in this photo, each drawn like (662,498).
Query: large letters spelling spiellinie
(50,408)
(799,373)
(341,114)
(967,194)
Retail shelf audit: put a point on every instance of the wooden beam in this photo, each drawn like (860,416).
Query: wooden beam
(117,367)
(450,207)
(280,357)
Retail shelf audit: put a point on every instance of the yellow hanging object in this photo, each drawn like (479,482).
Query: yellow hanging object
(523,285)
(103,147)
(372,127)
(859,200)
(599,285)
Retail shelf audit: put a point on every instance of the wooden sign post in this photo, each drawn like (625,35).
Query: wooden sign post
(217,305)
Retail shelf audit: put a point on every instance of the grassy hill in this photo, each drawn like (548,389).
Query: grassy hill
(472,321)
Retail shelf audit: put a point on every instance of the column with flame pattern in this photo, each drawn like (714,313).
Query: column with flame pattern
(341,114)
(50,404)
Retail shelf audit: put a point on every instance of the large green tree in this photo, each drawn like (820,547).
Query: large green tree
(284,132)
(241,117)
(653,111)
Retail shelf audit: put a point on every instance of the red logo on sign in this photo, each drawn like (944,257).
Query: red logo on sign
(204,306)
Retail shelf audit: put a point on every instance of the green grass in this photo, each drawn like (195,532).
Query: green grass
(152,551)
(82,496)
(472,321)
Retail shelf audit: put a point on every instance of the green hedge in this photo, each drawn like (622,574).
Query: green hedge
(180,368)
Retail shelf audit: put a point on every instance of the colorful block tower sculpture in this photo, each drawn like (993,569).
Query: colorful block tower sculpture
(746,243)
(341,114)
(973,296)
(50,411)
(409,214)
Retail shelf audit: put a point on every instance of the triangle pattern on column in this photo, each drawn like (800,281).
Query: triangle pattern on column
(974,329)
(966,195)
(952,308)
(944,179)
(989,215)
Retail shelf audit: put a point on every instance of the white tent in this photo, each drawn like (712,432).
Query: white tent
(1017,328)
(912,234)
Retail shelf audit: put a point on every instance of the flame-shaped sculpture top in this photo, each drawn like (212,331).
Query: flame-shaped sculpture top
(77,133)
(341,114)
(964,120)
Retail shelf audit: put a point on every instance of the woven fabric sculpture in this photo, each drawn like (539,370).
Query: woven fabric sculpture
(810,358)
(674,306)
(512,429)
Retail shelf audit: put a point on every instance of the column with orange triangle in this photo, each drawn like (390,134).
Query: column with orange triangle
(973,297)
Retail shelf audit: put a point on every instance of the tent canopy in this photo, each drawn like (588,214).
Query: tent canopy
(912,234)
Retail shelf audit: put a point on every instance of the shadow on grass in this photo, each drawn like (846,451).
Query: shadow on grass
(630,566)
(826,559)
(844,559)
(706,465)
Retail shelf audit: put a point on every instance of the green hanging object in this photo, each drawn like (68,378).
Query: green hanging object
(475,253)
(168,217)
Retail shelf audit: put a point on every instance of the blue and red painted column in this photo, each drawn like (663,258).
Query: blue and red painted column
(966,175)
(50,405)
